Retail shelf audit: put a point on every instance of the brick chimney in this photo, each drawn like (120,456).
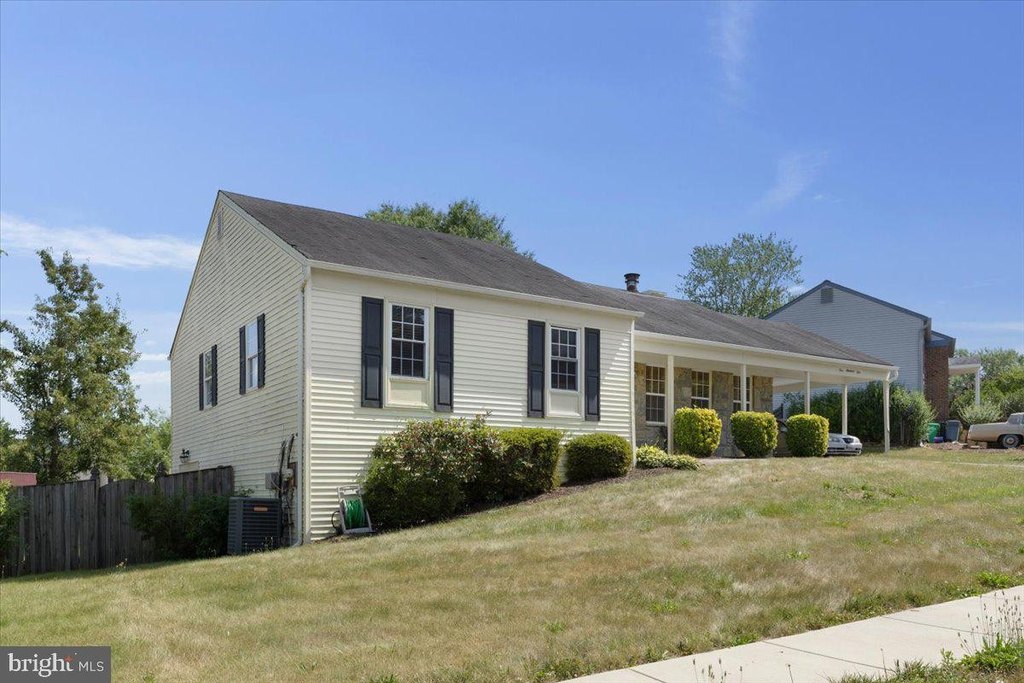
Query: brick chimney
(632,282)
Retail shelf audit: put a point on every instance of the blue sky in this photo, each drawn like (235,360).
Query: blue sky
(885,140)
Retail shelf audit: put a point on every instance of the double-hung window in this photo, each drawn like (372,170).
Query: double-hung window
(208,378)
(564,358)
(654,394)
(737,397)
(408,341)
(252,355)
(701,389)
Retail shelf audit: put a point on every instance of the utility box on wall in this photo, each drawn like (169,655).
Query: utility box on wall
(254,524)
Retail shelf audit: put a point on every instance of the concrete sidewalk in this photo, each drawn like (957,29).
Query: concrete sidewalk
(872,646)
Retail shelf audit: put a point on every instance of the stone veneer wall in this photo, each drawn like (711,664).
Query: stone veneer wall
(721,401)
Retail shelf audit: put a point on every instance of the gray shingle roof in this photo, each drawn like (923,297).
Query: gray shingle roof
(353,241)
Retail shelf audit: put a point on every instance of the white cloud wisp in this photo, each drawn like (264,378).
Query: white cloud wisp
(99,246)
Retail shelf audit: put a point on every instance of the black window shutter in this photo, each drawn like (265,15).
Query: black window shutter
(201,378)
(373,353)
(592,373)
(213,372)
(444,356)
(535,369)
(261,335)
(241,359)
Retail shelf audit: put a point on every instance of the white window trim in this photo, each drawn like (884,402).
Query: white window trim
(737,403)
(208,378)
(548,357)
(252,355)
(664,383)
(711,390)
(428,313)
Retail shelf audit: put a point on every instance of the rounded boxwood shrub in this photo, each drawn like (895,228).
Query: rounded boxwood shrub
(807,435)
(756,434)
(652,457)
(597,456)
(422,473)
(525,465)
(698,431)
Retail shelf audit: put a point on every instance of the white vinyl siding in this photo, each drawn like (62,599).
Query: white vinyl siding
(490,343)
(238,277)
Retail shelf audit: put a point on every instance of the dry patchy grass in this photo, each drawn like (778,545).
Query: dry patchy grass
(605,577)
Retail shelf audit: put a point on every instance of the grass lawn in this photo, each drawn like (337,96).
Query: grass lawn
(601,577)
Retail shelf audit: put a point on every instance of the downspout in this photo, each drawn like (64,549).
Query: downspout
(632,387)
(300,486)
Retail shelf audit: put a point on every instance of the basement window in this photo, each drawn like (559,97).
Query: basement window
(701,389)
(408,341)
(654,394)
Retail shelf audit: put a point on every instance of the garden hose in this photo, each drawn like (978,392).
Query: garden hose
(355,518)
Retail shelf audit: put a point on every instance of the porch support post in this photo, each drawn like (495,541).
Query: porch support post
(885,409)
(670,400)
(846,427)
(977,387)
(807,392)
(743,387)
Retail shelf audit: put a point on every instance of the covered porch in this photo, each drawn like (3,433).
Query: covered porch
(675,372)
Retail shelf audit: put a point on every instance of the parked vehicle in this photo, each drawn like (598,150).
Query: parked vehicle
(844,444)
(1009,434)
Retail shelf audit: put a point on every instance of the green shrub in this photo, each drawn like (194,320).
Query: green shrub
(909,411)
(597,456)
(756,434)
(1011,403)
(423,472)
(807,435)
(979,414)
(525,466)
(11,507)
(182,528)
(698,431)
(652,457)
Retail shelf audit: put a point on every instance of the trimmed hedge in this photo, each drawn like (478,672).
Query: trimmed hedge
(597,456)
(422,473)
(525,466)
(807,435)
(756,434)
(698,431)
(433,470)
(652,457)
(910,412)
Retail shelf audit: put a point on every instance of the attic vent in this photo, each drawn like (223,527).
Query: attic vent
(826,295)
(218,225)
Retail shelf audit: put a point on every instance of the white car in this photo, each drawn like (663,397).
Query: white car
(844,444)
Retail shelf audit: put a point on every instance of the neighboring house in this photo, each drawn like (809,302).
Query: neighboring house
(19,478)
(316,332)
(884,330)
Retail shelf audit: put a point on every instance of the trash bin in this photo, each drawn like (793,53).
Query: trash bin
(933,431)
(952,430)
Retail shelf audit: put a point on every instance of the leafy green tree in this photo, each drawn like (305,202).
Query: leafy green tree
(751,275)
(13,457)
(463,218)
(152,447)
(1002,373)
(68,376)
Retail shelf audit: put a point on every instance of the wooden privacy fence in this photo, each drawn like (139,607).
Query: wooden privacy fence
(85,524)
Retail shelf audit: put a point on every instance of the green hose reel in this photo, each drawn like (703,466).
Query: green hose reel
(354,517)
